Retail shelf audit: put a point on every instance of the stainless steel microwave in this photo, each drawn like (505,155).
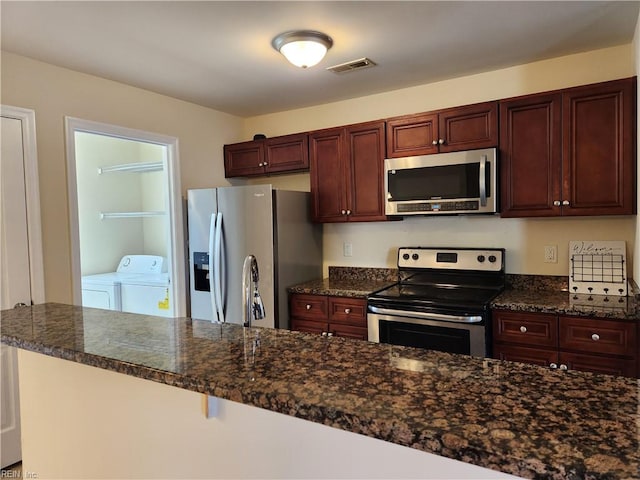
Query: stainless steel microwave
(442,184)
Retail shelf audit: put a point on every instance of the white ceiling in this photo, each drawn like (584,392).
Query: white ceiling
(219,54)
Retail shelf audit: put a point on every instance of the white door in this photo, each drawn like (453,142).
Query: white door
(20,269)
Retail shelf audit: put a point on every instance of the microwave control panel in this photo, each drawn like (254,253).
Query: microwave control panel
(449,207)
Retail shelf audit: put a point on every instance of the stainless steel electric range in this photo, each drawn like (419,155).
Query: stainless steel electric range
(441,301)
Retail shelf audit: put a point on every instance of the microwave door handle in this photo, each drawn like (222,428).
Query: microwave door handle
(483,180)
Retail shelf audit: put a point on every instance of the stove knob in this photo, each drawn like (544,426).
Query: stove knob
(415,256)
(492,258)
(405,256)
(481,258)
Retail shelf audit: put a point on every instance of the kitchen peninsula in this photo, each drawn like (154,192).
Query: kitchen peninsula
(507,417)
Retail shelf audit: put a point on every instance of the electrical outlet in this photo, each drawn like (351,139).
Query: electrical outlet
(550,254)
(347,249)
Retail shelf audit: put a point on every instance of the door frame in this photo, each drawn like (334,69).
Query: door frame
(176,225)
(27,118)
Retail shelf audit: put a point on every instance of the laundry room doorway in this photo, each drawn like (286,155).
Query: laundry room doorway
(125,208)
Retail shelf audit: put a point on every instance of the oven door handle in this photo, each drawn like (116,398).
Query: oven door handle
(428,316)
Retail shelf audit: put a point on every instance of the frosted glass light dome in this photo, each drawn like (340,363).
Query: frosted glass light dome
(303,48)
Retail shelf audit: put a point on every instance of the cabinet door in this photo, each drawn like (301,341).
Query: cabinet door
(598,364)
(599,150)
(349,331)
(530,156)
(289,153)
(468,127)
(365,171)
(352,311)
(328,178)
(534,356)
(412,135)
(244,159)
(309,326)
(592,335)
(535,329)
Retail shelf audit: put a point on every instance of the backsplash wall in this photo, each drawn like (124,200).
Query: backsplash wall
(375,244)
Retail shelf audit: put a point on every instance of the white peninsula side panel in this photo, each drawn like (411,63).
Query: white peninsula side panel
(84,422)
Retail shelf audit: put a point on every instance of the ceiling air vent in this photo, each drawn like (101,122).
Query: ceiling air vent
(352,65)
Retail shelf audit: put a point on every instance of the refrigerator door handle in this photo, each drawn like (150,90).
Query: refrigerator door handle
(217,267)
(212,284)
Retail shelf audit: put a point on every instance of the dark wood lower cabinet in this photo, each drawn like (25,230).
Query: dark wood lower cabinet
(596,345)
(329,315)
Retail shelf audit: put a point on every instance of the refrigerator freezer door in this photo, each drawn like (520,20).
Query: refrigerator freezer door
(247,229)
(202,205)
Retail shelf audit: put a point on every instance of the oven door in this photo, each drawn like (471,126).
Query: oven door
(433,331)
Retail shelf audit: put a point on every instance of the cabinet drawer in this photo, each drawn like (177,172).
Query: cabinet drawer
(309,306)
(351,311)
(598,336)
(525,328)
(534,356)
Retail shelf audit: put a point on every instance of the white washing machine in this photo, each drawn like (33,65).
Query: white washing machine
(104,290)
(148,294)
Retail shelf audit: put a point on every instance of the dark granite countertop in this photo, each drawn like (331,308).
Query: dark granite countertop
(340,287)
(565,303)
(349,282)
(516,418)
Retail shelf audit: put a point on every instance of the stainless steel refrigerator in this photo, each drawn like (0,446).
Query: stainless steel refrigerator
(225,225)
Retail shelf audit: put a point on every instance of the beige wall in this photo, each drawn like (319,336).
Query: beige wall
(374,244)
(55,92)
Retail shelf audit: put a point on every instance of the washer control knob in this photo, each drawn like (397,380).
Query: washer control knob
(415,256)
(405,256)
(492,258)
(481,258)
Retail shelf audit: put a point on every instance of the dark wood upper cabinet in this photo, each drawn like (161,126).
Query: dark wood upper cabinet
(460,128)
(598,149)
(569,152)
(346,166)
(244,159)
(284,154)
(530,155)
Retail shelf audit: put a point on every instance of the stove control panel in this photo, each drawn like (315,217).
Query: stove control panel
(479,259)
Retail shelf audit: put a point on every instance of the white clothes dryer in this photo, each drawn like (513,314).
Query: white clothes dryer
(104,290)
(148,294)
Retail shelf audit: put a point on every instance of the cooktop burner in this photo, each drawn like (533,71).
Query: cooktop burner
(465,279)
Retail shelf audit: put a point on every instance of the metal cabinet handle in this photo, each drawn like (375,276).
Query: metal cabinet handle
(435,142)
(595,337)
(20,305)
(260,164)
(563,367)
(344,212)
(324,334)
(308,306)
(347,311)
(523,329)
(348,212)
(441,141)
(329,334)
(556,203)
(565,202)
(553,366)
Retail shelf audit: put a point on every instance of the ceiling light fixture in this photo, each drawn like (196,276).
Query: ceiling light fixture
(303,48)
